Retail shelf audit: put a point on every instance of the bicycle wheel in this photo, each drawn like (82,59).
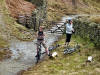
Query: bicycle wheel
(38,56)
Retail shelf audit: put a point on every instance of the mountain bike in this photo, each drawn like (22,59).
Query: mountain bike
(39,53)
(70,50)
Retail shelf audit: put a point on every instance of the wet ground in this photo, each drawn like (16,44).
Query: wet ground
(23,54)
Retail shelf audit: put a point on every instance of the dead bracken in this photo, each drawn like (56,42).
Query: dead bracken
(19,7)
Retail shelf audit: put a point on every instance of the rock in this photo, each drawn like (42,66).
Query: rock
(20,72)
(90,58)
(54,54)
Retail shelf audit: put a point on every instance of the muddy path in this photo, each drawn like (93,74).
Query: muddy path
(23,54)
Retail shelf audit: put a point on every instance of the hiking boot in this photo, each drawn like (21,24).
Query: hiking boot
(50,55)
(36,56)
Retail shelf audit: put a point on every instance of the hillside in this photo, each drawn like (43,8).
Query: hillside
(69,64)
(37,12)
(19,7)
(57,8)
(10,9)
(75,63)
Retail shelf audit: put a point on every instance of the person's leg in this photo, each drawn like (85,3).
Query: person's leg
(38,43)
(68,39)
(67,44)
(46,49)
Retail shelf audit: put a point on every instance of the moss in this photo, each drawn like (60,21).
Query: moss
(5,54)
(3,42)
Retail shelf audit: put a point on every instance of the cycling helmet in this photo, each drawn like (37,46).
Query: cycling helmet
(69,18)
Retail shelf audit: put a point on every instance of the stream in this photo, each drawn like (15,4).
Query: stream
(23,54)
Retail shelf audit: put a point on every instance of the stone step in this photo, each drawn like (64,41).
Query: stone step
(59,25)
(59,34)
(54,27)
(58,30)
(50,31)
(62,28)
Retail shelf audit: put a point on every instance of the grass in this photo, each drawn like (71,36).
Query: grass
(72,64)
(95,19)
(3,43)
(57,9)
(12,28)
(17,30)
(4,54)
(54,10)
(9,29)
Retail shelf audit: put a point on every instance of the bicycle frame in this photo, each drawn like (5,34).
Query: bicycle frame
(70,50)
(38,53)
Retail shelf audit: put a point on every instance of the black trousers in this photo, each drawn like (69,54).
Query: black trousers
(68,37)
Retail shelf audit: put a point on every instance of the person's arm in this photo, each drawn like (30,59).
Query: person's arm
(43,34)
(65,23)
(72,28)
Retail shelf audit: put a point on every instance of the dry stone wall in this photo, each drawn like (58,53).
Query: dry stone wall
(88,30)
(37,17)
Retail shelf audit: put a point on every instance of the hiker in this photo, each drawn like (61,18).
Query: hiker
(40,39)
(69,30)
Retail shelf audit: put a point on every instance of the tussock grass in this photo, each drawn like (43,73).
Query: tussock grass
(3,42)
(17,30)
(58,8)
(95,19)
(4,54)
(54,10)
